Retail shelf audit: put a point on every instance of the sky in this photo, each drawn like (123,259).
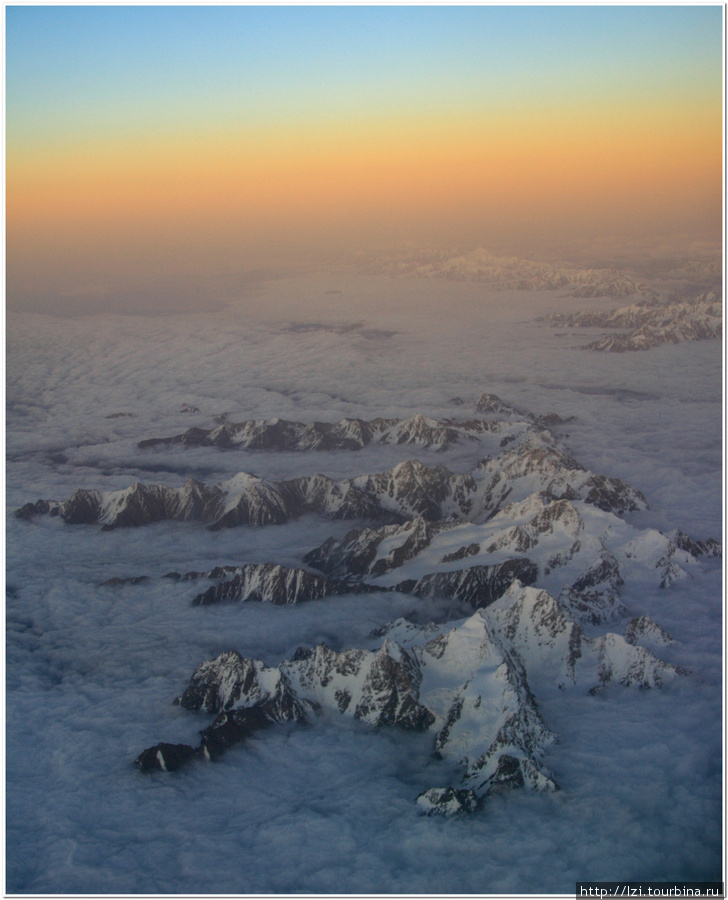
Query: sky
(184,151)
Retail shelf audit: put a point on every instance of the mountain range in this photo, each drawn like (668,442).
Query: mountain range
(512,273)
(651,323)
(409,489)
(469,683)
(528,556)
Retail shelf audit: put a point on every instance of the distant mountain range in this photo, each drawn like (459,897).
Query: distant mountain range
(511,273)
(348,434)
(651,323)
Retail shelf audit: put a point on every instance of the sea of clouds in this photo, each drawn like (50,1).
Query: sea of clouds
(92,670)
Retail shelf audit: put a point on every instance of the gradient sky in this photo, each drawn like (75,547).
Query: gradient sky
(175,149)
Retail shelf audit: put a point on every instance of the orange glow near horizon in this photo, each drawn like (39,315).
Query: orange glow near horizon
(591,131)
(502,168)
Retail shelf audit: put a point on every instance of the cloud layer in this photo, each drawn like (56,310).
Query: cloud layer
(92,671)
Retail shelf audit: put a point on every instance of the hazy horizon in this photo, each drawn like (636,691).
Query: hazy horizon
(171,154)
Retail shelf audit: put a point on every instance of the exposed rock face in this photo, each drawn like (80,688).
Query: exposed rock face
(528,518)
(389,694)
(40,508)
(467,683)
(134,579)
(378,688)
(242,500)
(492,403)
(415,490)
(228,729)
(476,586)
(709,547)
(338,500)
(538,466)
(556,651)
(81,508)
(594,596)
(613,495)
(167,757)
(582,558)
(461,553)
(603,574)
(555,514)
(624,664)
(449,801)
(272,583)
(643,631)
(492,718)
(356,555)
(232,681)
(537,630)
(671,572)
(650,311)
(552,420)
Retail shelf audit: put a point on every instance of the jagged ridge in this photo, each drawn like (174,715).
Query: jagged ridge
(348,434)
(469,684)
(652,323)
(272,583)
(581,550)
(410,489)
(281,585)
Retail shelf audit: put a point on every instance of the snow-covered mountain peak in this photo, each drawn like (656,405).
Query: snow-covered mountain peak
(492,403)
(464,646)
(471,683)
(652,323)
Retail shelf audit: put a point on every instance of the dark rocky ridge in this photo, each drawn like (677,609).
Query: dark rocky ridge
(708,547)
(281,435)
(642,630)
(271,583)
(354,556)
(476,586)
(228,729)
(410,489)
(595,595)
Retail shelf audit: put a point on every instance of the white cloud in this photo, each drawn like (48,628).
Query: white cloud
(92,672)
